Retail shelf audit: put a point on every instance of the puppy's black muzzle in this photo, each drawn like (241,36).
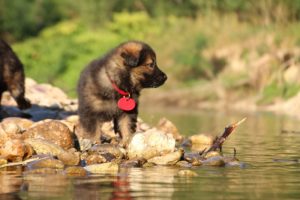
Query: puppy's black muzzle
(158,78)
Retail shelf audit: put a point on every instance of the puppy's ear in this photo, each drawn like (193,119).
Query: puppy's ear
(130,59)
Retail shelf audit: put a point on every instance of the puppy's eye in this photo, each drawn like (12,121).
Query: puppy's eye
(152,65)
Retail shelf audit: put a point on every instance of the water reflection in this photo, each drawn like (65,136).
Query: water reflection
(272,166)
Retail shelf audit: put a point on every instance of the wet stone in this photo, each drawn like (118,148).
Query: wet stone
(168,159)
(69,157)
(133,163)
(76,171)
(46,163)
(42,171)
(112,149)
(216,161)
(184,164)
(192,156)
(110,167)
(95,159)
(212,154)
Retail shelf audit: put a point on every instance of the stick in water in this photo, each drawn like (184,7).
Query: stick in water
(220,140)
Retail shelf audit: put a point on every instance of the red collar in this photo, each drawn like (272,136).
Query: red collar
(121,92)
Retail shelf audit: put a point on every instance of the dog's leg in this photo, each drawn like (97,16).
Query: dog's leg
(90,126)
(126,125)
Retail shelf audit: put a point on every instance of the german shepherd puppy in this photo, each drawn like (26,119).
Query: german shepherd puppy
(12,75)
(109,88)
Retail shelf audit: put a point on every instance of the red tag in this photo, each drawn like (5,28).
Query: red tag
(126,104)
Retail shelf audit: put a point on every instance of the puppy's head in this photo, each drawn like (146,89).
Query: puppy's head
(140,59)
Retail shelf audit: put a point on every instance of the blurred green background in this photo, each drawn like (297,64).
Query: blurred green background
(211,50)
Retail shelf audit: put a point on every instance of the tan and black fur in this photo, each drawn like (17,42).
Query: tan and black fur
(12,75)
(132,66)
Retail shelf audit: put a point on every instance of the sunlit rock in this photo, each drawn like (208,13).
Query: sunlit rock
(201,141)
(216,161)
(133,163)
(76,171)
(15,125)
(110,167)
(150,144)
(70,157)
(168,159)
(167,126)
(46,163)
(184,164)
(52,131)
(13,150)
(115,150)
(42,146)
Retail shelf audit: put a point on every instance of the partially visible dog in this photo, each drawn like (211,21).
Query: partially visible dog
(109,88)
(12,75)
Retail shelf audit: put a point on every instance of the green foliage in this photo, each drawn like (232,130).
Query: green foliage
(133,25)
(193,65)
(21,19)
(275,90)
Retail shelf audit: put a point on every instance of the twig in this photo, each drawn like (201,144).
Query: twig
(220,140)
(20,163)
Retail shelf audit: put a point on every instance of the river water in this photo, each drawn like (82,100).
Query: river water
(267,144)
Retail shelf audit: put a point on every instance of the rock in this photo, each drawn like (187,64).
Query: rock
(201,141)
(42,146)
(46,163)
(69,157)
(3,136)
(70,125)
(212,154)
(52,131)
(190,156)
(13,150)
(142,126)
(85,143)
(133,163)
(150,144)
(72,119)
(216,161)
(76,171)
(168,159)
(95,159)
(43,171)
(46,95)
(115,150)
(14,125)
(111,167)
(168,127)
(3,161)
(184,164)
(187,173)
(193,157)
